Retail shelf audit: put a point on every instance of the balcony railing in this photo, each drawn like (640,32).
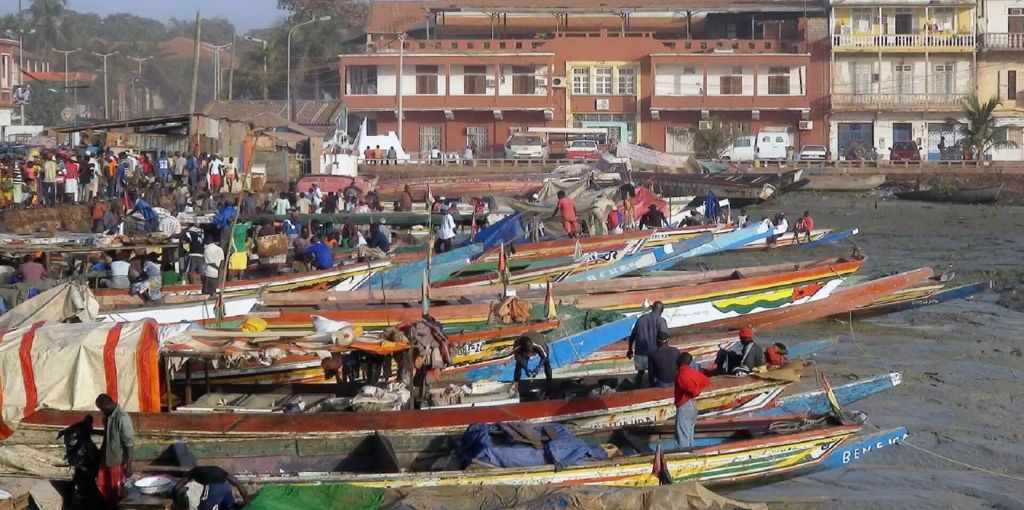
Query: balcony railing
(995,41)
(880,101)
(908,41)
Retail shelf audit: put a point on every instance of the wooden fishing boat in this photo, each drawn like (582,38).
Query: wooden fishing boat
(341,278)
(603,243)
(730,463)
(733,395)
(916,297)
(699,304)
(742,189)
(986,195)
(684,305)
(195,308)
(839,302)
(661,280)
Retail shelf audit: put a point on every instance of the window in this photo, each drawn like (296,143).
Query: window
(731,84)
(627,81)
(524,80)
(430,138)
(778,81)
(943,79)
(1015,20)
(581,80)
(362,80)
(426,80)
(602,81)
(474,80)
(861,73)
(904,78)
(862,20)
(476,137)
(943,18)
(1011,85)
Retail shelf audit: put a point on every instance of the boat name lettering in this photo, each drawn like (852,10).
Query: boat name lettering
(857,453)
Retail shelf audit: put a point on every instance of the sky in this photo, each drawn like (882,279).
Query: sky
(245,14)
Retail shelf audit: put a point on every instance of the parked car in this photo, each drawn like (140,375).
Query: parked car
(813,153)
(772,144)
(904,151)
(583,149)
(520,146)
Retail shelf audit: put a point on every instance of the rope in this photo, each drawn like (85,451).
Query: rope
(963,464)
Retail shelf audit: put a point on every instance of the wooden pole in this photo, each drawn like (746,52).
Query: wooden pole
(195,64)
(188,382)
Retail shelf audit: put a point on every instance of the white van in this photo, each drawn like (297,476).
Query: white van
(767,144)
(526,146)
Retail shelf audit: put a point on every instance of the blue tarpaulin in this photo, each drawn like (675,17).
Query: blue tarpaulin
(507,230)
(562,448)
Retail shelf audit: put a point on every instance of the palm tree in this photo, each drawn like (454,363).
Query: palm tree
(47,19)
(980,134)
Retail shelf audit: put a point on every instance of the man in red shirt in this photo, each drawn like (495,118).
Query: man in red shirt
(690,382)
(566,208)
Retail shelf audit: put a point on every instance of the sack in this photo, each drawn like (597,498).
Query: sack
(272,245)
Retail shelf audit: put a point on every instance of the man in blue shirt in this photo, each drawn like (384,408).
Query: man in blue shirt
(320,254)
(163,168)
(148,214)
(192,167)
(378,238)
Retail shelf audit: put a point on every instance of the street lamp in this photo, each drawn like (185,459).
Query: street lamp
(141,103)
(289,72)
(217,70)
(66,53)
(106,99)
(262,43)
(21,57)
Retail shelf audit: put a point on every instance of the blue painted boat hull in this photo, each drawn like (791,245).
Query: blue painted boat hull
(410,276)
(725,242)
(961,292)
(640,261)
(859,446)
(561,352)
(816,403)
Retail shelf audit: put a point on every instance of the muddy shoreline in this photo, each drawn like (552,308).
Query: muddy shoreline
(962,366)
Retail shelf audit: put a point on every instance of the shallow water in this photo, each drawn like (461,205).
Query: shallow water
(962,365)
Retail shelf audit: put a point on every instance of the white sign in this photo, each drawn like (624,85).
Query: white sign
(650,156)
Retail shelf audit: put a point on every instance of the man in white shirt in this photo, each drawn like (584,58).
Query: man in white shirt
(445,231)
(317,198)
(213,257)
(303,204)
(281,205)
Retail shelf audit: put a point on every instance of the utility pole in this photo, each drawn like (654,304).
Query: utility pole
(195,64)
(401,66)
(140,60)
(231,70)
(106,99)
(289,71)
(263,43)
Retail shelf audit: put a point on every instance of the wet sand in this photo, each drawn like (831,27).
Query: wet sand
(962,364)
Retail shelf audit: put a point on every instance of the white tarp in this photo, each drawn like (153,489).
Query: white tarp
(65,366)
(60,303)
(651,156)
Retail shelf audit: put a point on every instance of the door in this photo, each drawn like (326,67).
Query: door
(943,142)
(679,140)
(904,23)
(430,138)
(902,132)
(859,135)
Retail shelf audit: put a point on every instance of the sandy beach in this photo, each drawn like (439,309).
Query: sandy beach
(961,362)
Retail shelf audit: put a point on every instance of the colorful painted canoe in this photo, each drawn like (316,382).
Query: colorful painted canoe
(842,301)
(341,278)
(916,297)
(367,296)
(698,304)
(729,463)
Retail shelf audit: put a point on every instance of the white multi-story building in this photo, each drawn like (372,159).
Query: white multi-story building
(900,71)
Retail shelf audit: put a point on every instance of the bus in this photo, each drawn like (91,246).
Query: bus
(558,139)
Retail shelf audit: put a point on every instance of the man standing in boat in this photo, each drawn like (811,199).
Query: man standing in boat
(649,328)
(526,347)
(662,363)
(116,452)
(690,382)
(566,208)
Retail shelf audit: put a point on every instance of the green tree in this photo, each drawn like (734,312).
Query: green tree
(980,134)
(47,20)
(710,142)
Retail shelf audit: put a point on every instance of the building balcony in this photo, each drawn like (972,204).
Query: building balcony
(1002,41)
(905,43)
(451,103)
(898,102)
(729,103)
